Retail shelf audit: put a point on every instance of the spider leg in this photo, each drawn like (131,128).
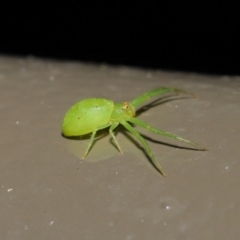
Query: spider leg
(92,138)
(144,144)
(114,125)
(167,134)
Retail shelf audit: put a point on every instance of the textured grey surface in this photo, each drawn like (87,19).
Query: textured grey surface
(47,192)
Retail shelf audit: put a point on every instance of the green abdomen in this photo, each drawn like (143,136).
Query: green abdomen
(85,116)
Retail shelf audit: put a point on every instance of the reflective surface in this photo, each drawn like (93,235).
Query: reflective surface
(47,192)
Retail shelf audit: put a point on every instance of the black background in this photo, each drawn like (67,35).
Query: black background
(187,36)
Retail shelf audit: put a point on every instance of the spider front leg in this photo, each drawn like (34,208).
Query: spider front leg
(157,92)
(167,134)
(144,144)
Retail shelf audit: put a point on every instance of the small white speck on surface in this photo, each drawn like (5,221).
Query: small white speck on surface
(228,169)
(51,223)
(17,122)
(168,207)
(10,189)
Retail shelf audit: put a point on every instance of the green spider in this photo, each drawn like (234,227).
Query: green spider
(93,114)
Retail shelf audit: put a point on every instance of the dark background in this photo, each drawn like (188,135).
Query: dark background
(186,36)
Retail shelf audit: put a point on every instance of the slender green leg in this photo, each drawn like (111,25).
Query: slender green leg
(160,132)
(114,125)
(156,92)
(92,138)
(144,144)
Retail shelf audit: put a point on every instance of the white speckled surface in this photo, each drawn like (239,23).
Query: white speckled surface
(48,193)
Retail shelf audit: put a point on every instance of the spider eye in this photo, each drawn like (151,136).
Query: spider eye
(125,105)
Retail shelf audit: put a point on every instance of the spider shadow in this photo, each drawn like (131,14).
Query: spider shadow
(159,101)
